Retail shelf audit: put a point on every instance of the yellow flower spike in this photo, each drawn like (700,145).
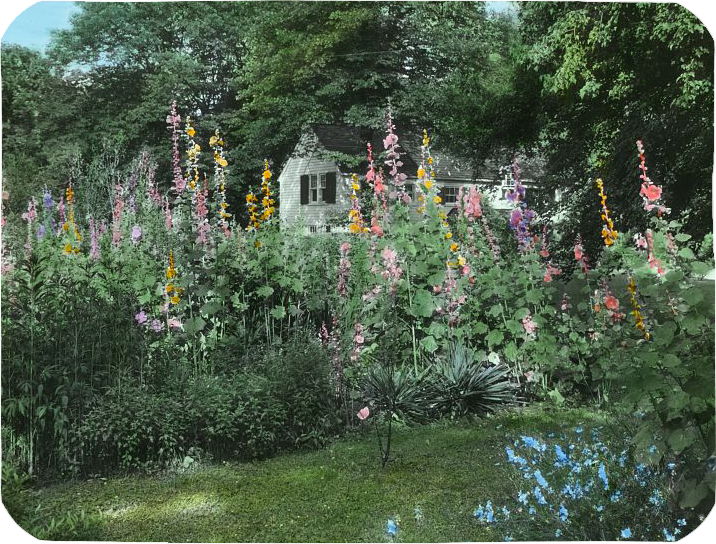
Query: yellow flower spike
(190,131)
(354,229)
(426,140)
(437,199)
(454,247)
(428,184)
(461,260)
(68,248)
(170,287)
(175,299)
(421,172)
(448,235)
(356,187)
(430,160)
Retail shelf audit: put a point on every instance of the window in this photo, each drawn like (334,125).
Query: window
(318,187)
(322,187)
(328,228)
(449,195)
(314,188)
(313,229)
(410,189)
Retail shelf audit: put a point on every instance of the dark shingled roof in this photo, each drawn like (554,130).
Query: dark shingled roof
(353,141)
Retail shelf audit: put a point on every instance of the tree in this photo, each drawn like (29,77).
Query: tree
(611,73)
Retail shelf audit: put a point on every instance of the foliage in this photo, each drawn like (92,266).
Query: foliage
(578,487)
(462,386)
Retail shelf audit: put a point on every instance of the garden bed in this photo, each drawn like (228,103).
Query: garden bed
(439,475)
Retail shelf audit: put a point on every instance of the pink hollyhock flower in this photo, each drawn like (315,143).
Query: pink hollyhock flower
(174,323)
(136,233)
(375,228)
(156,325)
(578,255)
(141,317)
(437,288)
(611,302)
(651,192)
(528,324)
(390,139)
(363,413)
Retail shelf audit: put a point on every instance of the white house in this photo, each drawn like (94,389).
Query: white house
(314,183)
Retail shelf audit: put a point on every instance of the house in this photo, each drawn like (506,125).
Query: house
(314,183)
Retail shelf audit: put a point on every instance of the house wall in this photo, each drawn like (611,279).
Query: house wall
(312,214)
(316,215)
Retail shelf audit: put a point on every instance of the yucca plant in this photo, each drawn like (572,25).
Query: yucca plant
(395,391)
(464,386)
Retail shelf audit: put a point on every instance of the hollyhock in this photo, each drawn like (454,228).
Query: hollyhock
(344,268)
(363,413)
(94,241)
(173,121)
(651,192)
(611,302)
(141,317)
(528,325)
(156,325)
(136,233)
(174,323)
(375,228)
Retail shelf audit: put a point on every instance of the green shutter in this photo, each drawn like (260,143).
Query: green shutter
(304,189)
(329,194)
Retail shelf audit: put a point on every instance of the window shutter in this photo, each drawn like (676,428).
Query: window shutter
(304,189)
(329,194)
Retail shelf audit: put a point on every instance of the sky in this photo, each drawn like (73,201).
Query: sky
(32,27)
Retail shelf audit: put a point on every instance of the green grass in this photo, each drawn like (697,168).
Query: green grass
(332,495)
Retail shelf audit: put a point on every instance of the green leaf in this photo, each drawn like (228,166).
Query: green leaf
(145,298)
(692,497)
(665,334)
(693,296)
(683,237)
(510,352)
(193,326)
(423,304)
(265,291)
(680,439)
(686,253)
(278,312)
(210,308)
(495,337)
(534,296)
(556,397)
(428,344)
(479,328)
(521,313)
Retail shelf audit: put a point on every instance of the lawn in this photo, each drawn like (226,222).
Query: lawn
(331,495)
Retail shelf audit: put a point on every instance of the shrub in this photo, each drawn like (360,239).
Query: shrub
(462,386)
(578,487)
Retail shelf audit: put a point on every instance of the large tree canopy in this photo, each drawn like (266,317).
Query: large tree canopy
(575,83)
(611,73)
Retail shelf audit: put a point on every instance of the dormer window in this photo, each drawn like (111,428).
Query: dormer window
(318,188)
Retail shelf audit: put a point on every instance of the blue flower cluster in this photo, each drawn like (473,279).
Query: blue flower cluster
(576,483)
